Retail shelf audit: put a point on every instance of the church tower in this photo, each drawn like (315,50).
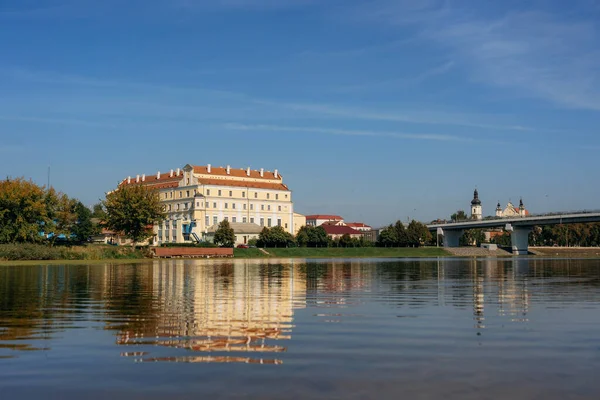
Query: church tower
(476,212)
(498,210)
(521,208)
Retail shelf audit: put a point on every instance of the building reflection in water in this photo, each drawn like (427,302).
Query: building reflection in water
(243,310)
(243,307)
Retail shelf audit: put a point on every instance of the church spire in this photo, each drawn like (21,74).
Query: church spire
(475,201)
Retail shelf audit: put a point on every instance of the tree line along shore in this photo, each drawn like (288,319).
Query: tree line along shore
(38,223)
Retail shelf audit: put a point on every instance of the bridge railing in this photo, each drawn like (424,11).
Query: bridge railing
(494,218)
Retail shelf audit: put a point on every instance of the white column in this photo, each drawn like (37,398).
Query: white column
(520,240)
(452,237)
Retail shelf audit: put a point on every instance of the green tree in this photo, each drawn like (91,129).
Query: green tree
(133,210)
(401,235)
(472,237)
(345,241)
(98,211)
(460,215)
(25,211)
(318,237)
(302,236)
(388,237)
(417,234)
(84,227)
(224,235)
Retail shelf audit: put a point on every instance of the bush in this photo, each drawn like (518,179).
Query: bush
(38,252)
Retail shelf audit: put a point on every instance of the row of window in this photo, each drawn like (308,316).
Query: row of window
(215,221)
(186,206)
(188,193)
(220,193)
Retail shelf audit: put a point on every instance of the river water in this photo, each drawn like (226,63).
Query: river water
(296,329)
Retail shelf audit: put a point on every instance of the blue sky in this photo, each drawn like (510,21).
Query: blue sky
(376,110)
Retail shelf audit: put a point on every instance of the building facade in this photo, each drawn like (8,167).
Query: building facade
(511,211)
(198,197)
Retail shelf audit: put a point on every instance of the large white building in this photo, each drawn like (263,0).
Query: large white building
(198,197)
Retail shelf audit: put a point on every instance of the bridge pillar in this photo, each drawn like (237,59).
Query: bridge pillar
(520,240)
(452,237)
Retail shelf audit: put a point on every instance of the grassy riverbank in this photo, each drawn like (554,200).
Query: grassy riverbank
(37,252)
(350,252)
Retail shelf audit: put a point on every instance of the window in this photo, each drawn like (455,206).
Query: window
(262,222)
(233,219)
(269,207)
(286,196)
(278,221)
(174,224)
(245,205)
(269,222)
(244,220)
(277,196)
(215,220)
(279,208)
(251,220)
(230,193)
(187,193)
(262,207)
(180,194)
(219,192)
(252,206)
(206,221)
(268,196)
(226,205)
(243,194)
(167,225)
(285,226)
(197,204)
(170,207)
(214,205)
(208,192)
(256,195)
(233,205)
(185,206)
(171,194)
(188,181)
(177,206)
(226,219)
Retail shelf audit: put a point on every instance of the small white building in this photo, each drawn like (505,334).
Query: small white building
(320,219)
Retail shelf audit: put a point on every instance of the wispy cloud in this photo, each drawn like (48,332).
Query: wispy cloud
(394,84)
(344,132)
(537,53)
(415,117)
(202,101)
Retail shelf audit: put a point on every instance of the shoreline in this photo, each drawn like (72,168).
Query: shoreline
(332,253)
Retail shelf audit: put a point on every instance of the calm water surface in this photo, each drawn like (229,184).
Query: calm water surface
(369,329)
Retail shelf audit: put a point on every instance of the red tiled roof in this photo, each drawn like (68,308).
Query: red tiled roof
(357,225)
(258,185)
(167,181)
(240,173)
(340,230)
(324,216)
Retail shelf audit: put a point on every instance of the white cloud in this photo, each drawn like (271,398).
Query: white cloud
(535,53)
(344,132)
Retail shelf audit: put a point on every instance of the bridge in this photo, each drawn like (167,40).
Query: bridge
(519,227)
